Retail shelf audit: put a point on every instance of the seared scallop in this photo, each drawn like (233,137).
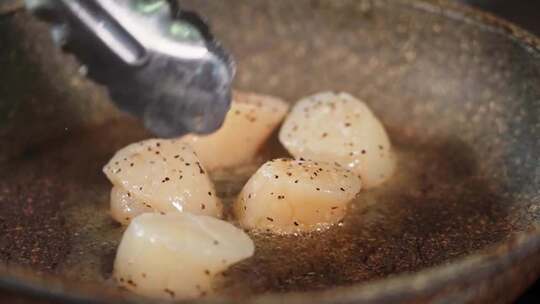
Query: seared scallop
(338,127)
(177,255)
(287,196)
(250,121)
(159,176)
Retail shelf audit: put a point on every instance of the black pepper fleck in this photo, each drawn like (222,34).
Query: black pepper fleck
(170,292)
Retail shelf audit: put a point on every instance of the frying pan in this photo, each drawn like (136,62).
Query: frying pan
(458,90)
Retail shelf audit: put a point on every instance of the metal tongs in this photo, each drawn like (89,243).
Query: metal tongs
(158,62)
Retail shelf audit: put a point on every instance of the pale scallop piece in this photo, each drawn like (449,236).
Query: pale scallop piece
(124,207)
(177,255)
(339,127)
(249,123)
(160,175)
(288,196)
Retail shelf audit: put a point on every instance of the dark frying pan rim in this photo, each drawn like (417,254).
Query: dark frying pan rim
(473,268)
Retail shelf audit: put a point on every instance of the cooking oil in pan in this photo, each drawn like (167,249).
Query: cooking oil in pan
(434,209)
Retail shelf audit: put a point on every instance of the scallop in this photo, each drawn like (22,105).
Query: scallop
(289,196)
(249,123)
(159,176)
(338,127)
(177,255)
(124,206)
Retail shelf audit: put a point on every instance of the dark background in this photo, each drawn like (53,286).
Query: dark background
(525,13)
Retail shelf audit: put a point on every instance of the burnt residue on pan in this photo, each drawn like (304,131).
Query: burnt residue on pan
(437,208)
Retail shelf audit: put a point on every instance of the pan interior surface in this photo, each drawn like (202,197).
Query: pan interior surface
(461,102)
